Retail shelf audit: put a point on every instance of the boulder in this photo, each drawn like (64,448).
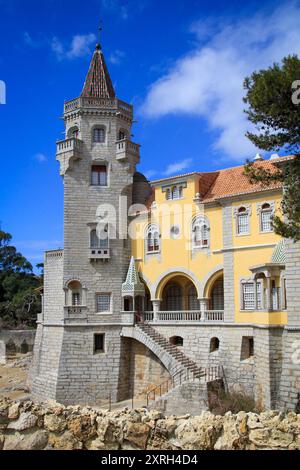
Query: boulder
(26,420)
(54,423)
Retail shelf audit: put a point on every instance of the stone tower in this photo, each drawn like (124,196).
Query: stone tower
(79,356)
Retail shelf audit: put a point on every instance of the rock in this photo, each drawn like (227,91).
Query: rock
(26,420)
(13,411)
(137,434)
(82,428)
(98,444)
(259,437)
(54,423)
(65,441)
(199,433)
(3,413)
(36,441)
(280,439)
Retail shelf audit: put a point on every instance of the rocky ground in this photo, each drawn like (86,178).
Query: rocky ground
(13,377)
(28,426)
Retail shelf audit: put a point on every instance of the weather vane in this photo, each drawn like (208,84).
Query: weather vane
(100,29)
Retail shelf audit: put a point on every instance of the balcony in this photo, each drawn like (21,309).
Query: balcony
(100,253)
(75,312)
(127,151)
(184,316)
(68,151)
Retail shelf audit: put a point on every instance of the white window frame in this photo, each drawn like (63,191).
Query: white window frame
(239,212)
(103,312)
(174,192)
(258,295)
(261,211)
(98,184)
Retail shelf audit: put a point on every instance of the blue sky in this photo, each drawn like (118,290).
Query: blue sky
(181,63)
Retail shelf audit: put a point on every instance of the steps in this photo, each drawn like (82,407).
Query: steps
(185,364)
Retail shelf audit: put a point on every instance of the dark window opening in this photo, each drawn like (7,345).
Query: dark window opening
(176,341)
(99,135)
(214,345)
(247,350)
(99,343)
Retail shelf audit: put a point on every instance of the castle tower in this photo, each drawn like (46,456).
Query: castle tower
(79,356)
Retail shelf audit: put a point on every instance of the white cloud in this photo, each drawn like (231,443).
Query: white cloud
(208,81)
(116,57)
(150,174)
(176,167)
(80,46)
(40,157)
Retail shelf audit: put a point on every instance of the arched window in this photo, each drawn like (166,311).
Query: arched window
(75,293)
(99,135)
(217,295)
(214,345)
(176,341)
(200,233)
(73,132)
(173,298)
(153,239)
(193,302)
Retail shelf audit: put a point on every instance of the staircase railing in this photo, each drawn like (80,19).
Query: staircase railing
(210,374)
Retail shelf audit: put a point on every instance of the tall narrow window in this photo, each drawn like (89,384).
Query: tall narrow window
(122,135)
(248,296)
(75,299)
(101,240)
(266,215)
(99,175)
(99,135)
(103,303)
(99,343)
(193,302)
(242,221)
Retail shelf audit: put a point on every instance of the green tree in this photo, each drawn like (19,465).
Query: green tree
(277,121)
(19,299)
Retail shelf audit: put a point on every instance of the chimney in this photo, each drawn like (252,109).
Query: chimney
(258,158)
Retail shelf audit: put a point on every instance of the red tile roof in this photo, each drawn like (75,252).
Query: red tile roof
(232,182)
(98,83)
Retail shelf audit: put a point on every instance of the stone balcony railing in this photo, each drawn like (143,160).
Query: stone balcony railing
(75,312)
(67,151)
(127,150)
(185,316)
(69,145)
(105,103)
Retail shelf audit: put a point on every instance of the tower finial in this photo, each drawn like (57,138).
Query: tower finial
(100,29)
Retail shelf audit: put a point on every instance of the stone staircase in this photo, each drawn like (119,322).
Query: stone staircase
(184,363)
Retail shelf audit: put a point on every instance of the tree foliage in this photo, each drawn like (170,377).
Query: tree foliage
(19,296)
(277,120)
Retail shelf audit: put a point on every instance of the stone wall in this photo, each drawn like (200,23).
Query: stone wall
(17,341)
(26,426)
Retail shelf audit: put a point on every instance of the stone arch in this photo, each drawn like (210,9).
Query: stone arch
(167,360)
(11,348)
(24,348)
(165,277)
(209,279)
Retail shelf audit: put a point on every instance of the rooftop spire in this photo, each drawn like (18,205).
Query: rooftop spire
(98,83)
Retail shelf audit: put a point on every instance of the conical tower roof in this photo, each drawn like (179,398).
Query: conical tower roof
(98,83)
(133,285)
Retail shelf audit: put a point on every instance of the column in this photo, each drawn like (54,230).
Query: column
(203,307)
(269,294)
(156,309)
